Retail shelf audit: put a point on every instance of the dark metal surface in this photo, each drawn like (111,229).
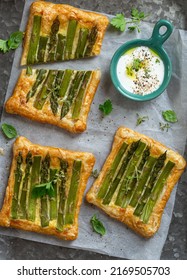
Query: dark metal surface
(10,17)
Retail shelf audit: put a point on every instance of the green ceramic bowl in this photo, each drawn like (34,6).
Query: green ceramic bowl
(155,44)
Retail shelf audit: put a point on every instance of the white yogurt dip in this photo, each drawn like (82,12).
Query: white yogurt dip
(140,70)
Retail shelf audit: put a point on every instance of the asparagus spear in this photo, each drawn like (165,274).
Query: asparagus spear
(79,98)
(131,170)
(39,80)
(157,189)
(53,200)
(70,38)
(65,82)
(92,37)
(60,47)
(76,83)
(53,40)
(55,92)
(35,179)
(25,187)
(110,174)
(136,176)
(42,48)
(62,196)
(158,166)
(115,182)
(65,109)
(83,35)
(46,90)
(17,181)
(142,181)
(44,178)
(34,40)
(72,195)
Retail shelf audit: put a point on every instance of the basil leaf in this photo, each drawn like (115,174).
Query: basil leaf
(15,40)
(170,116)
(9,131)
(97,226)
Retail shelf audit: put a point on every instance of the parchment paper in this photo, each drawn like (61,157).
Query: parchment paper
(119,241)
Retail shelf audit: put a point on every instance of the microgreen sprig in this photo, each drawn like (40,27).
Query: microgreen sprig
(164,126)
(120,22)
(106,107)
(47,188)
(141,119)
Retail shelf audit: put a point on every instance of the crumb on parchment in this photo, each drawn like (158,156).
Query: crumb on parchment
(1,152)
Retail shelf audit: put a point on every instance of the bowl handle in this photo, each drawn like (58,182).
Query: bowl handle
(158,39)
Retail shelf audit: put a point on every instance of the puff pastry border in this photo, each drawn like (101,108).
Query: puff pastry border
(17,104)
(65,12)
(24,145)
(126,215)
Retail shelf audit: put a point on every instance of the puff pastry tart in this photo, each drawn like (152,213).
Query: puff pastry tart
(57,32)
(59,97)
(45,189)
(136,181)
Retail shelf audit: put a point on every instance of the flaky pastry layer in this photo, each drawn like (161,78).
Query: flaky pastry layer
(17,104)
(125,215)
(23,145)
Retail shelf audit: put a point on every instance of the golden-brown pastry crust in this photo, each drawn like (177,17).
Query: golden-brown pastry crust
(125,215)
(17,104)
(50,11)
(70,232)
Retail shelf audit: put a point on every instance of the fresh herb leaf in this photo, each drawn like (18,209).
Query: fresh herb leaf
(106,107)
(47,188)
(164,126)
(43,189)
(95,173)
(129,70)
(170,116)
(3,46)
(136,64)
(15,40)
(9,131)
(137,15)
(132,28)
(29,70)
(12,43)
(141,119)
(134,13)
(97,226)
(157,60)
(119,22)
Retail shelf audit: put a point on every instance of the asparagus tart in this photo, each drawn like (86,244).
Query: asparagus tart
(136,181)
(59,97)
(45,189)
(57,32)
